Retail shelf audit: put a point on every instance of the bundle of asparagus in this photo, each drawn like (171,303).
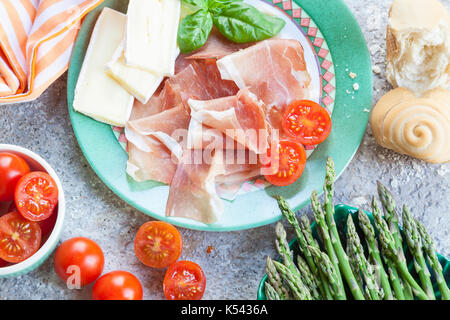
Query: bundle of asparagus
(329,271)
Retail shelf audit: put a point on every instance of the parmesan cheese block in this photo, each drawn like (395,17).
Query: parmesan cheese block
(151,36)
(96,94)
(140,83)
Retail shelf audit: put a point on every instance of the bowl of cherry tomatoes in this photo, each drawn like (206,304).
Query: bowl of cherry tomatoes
(32,209)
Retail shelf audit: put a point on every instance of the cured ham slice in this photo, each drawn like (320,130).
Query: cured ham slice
(142,110)
(154,145)
(239,166)
(241,117)
(155,164)
(193,191)
(216,47)
(200,80)
(274,70)
(193,79)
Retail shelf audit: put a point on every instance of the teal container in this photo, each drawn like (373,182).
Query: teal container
(341,213)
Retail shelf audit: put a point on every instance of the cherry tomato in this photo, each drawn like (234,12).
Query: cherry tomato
(4,263)
(117,285)
(83,253)
(12,168)
(184,280)
(307,122)
(158,244)
(288,163)
(36,196)
(12,207)
(48,224)
(19,238)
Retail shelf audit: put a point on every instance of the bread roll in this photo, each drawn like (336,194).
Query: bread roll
(418,45)
(416,126)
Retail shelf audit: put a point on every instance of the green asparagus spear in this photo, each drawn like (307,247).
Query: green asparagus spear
(374,253)
(415,247)
(324,232)
(391,216)
(430,250)
(305,227)
(388,243)
(344,264)
(319,214)
(274,279)
(271,293)
(354,265)
(362,265)
(309,278)
(283,247)
(287,257)
(301,240)
(298,288)
(328,269)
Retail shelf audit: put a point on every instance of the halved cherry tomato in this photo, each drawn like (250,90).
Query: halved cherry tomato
(12,168)
(3,263)
(117,285)
(184,280)
(12,207)
(288,164)
(158,244)
(307,122)
(47,225)
(19,238)
(82,253)
(36,196)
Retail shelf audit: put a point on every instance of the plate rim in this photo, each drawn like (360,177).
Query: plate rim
(310,6)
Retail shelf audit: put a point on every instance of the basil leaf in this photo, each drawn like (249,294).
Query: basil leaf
(194,30)
(196,3)
(216,6)
(243,23)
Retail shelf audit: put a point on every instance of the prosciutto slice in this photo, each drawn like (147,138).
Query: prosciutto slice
(274,70)
(193,79)
(154,146)
(240,117)
(193,190)
(216,47)
(200,80)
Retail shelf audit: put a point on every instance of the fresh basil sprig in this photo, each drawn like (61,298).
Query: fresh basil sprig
(237,21)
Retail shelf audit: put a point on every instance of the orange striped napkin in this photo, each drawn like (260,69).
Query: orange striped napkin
(36,40)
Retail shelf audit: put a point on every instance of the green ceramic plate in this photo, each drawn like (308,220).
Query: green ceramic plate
(335,36)
(341,213)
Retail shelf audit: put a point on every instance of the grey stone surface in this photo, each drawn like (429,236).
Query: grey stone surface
(236,263)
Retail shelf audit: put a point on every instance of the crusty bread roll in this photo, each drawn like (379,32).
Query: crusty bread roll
(418,45)
(416,126)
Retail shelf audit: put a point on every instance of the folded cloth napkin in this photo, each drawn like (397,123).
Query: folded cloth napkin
(36,41)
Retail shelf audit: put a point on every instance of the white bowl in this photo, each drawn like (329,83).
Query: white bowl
(36,163)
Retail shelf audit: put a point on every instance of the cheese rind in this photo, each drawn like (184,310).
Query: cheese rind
(96,94)
(151,36)
(140,83)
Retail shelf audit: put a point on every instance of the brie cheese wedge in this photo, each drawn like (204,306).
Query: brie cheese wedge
(151,36)
(138,82)
(96,94)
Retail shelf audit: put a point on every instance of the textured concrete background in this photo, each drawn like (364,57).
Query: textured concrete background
(236,263)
